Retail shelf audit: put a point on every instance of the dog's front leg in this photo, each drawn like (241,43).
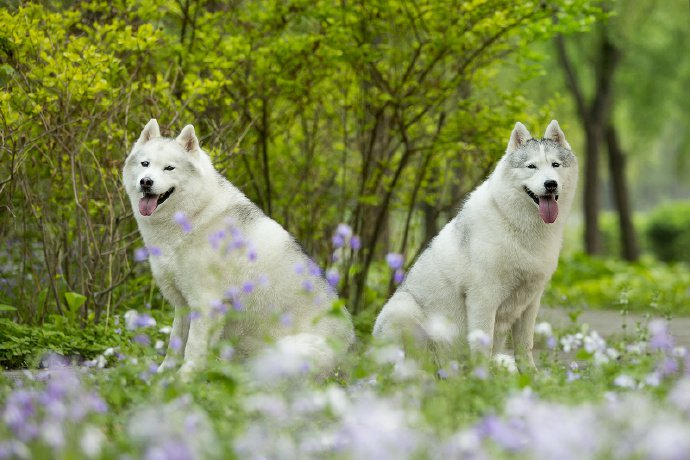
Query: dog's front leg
(178,338)
(523,335)
(481,316)
(196,349)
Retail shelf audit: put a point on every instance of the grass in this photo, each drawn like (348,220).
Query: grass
(621,400)
(627,397)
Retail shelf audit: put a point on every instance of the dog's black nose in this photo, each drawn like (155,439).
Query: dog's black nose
(146,182)
(551,186)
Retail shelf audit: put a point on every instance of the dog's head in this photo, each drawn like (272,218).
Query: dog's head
(544,169)
(158,168)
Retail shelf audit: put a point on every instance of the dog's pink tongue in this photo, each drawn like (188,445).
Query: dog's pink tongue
(548,209)
(148,204)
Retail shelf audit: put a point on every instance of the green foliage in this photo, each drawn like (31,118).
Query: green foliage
(321,112)
(668,231)
(380,401)
(23,346)
(585,281)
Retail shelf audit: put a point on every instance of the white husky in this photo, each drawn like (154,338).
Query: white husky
(213,251)
(487,268)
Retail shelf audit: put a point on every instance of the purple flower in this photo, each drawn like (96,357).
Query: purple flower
(215,239)
(355,243)
(262,280)
(333,277)
(308,285)
(144,320)
(219,307)
(237,238)
(19,408)
(667,367)
(505,434)
(395,260)
(344,230)
(338,241)
(142,339)
(181,220)
(480,373)
(551,343)
(399,276)
(286,319)
(175,343)
(141,254)
(232,293)
(155,251)
(299,268)
(194,315)
(660,338)
(248,287)
(251,253)
(314,270)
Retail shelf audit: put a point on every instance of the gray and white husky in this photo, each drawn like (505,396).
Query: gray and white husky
(486,270)
(212,250)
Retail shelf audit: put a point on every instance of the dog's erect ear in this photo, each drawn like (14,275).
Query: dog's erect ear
(518,137)
(150,131)
(554,133)
(187,139)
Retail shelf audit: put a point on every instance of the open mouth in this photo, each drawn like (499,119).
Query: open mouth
(547,204)
(149,202)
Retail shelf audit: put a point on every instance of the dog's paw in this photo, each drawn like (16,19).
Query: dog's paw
(168,363)
(187,371)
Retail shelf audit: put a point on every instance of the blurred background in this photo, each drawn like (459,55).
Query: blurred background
(378,114)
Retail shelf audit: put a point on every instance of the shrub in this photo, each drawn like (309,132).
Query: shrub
(668,232)
(585,281)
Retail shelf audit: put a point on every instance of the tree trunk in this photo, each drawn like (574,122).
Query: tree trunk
(594,114)
(592,192)
(629,248)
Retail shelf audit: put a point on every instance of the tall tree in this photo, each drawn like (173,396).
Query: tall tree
(595,114)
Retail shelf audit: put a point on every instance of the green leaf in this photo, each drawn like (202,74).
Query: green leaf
(74,300)
(4,307)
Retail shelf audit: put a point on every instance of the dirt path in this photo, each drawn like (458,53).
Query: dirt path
(607,323)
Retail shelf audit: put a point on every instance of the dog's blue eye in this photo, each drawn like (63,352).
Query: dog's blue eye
(145,164)
(169,168)
(532,166)
(555,164)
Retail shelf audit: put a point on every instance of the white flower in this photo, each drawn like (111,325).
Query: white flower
(593,342)
(544,329)
(624,381)
(165,330)
(91,441)
(658,327)
(131,317)
(441,329)
(572,342)
(679,352)
(637,348)
(600,358)
(680,395)
(389,354)
(506,361)
(653,379)
(479,340)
